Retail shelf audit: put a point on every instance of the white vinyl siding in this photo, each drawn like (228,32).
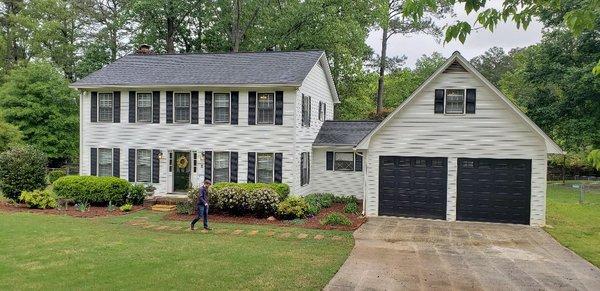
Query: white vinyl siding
(336,182)
(144,107)
(264,168)
(105,162)
(265,108)
(143,165)
(182,107)
(222,108)
(221,167)
(105,107)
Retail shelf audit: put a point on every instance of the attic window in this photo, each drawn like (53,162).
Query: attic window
(455,67)
(455,101)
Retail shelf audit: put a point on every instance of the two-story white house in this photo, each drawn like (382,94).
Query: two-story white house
(456,149)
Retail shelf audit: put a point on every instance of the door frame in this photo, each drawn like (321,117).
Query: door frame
(172,169)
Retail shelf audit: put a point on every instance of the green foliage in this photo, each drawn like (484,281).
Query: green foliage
(494,63)
(184,207)
(345,199)
(126,207)
(36,98)
(320,200)
(22,168)
(283,190)
(111,207)
(292,207)
(55,174)
(335,218)
(41,199)
(82,206)
(137,194)
(351,207)
(92,189)
(10,135)
(245,200)
(594,158)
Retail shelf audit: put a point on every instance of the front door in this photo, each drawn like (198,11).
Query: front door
(181,176)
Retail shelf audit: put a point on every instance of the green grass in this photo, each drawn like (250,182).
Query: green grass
(61,252)
(574,225)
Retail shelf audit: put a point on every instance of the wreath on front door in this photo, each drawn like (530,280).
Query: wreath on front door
(182,162)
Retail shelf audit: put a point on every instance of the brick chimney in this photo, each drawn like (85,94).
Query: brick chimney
(144,49)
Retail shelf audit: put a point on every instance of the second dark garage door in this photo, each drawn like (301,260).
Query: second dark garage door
(413,186)
(494,190)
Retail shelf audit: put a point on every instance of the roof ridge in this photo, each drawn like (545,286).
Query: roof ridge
(365,120)
(222,53)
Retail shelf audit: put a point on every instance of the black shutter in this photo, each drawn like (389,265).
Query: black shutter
(169,106)
(324,111)
(302,177)
(194,107)
(251,167)
(208,165)
(320,109)
(329,163)
(235,105)
(309,111)
(233,167)
(155,106)
(93,161)
(471,98)
(439,101)
(132,105)
(251,108)
(358,162)
(131,165)
(308,168)
(155,166)
(278,107)
(117,162)
(94,107)
(117,106)
(278,167)
(208,98)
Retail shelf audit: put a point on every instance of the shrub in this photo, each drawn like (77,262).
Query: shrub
(351,207)
(126,207)
(22,168)
(292,207)
(111,207)
(263,202)
(336,218)
(193,194)
(92,189)
(318,201)
(82,206)
(137,194)
(345,199)
(39,199)
(55,174)
(184,207)
(283,190)
(241,200)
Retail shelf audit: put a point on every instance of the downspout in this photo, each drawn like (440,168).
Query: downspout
(364,204)
(81,122)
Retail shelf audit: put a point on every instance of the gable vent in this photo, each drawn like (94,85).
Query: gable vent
(454,68)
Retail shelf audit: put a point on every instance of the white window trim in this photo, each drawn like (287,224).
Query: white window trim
(353,161)
(151,166)
(272,168)
(98,107)
(112,161)
(151,107)
(213,108)
(464,111)
(212,170)
(256,109)
(190,111)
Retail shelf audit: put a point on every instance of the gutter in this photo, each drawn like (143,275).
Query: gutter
(91,86)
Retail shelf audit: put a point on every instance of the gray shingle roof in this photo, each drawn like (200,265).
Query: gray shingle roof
(286,68)
(350,133)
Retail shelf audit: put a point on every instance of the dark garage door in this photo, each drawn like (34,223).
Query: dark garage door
(413,186)
(494,190)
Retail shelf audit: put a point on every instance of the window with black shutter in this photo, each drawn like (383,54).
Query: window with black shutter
(329,161)
(235,105)
(155,106)
(251,108)
(194,107)
(208,101)
(169,108)
(304,168)
(251,167)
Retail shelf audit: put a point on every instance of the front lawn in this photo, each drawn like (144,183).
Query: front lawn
(142,251)
(574,225)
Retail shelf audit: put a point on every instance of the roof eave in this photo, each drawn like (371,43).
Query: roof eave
(96,86)
(322,145)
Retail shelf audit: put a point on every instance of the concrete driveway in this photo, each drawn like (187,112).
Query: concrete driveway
(400,254)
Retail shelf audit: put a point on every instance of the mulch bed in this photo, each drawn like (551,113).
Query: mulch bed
(312,222)
(93,211)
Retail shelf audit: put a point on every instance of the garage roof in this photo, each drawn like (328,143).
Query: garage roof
(343,133)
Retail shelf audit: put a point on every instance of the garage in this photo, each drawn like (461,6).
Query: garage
(494,190)
(413,186)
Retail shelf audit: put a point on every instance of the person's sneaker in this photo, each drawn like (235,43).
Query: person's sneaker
(191,227)
(207,228)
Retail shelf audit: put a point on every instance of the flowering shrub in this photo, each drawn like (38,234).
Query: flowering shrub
(263,202)
(282,189)
(238,201)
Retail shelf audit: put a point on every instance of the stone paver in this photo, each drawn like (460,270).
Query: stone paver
(253,232)
(285,235)
(319,237)
(238,231)
(413,254)
(302,236)
(270,233)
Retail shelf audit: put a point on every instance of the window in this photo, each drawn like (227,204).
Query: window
(221,167)
(143,164)
(221,109)
(182,107)
(344,162)
(144,107)
(265,108)
(305,166)
(306,111)
(264,168)
(455,101)
(105,162)
(105,107)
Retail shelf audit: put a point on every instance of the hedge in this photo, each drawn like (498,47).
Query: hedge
(239,201)
(283,190)
(95,190)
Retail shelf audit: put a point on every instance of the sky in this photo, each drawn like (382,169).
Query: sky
(506,35)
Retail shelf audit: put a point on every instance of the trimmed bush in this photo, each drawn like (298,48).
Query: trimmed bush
(137,194)
(263,202)
(55,174)
(184,207)
(336,218)
(92,189)
(345,199)
(240,201)
(126,207)
(41,199)
(351,207)
(22,168)
(293,207)
(283,190)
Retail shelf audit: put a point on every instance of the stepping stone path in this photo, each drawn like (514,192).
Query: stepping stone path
(285,235)
(162,227)
(270,233)
(335,237)
(238,231)
(253,233)
(319,237)
(221,231)
(302,236)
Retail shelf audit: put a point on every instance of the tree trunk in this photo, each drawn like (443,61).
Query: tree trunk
(170,29)
(382,65)
(236,26)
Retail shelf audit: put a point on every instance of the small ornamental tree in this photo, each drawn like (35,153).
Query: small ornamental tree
(22,168)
